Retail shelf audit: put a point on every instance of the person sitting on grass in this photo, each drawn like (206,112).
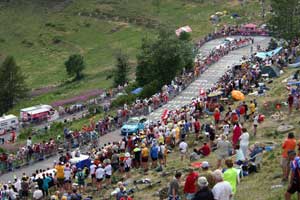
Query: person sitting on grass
(204,150)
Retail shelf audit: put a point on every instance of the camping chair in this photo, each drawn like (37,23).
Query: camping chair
(258,160)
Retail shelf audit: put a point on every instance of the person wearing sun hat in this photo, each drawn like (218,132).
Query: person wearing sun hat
(207,173)
(204,193)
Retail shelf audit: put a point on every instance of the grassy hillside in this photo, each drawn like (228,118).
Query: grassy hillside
(42,34)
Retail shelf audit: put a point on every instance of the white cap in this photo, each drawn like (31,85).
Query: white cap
(202,181)
(205,164)
(127,154)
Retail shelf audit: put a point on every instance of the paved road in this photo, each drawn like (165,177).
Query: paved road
(206,80)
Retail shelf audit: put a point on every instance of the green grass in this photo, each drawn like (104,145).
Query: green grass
(28,28)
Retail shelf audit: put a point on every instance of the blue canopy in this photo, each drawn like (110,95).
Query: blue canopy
(263,55)
(294,83)
(137,90)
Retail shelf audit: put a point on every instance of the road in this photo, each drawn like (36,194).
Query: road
(206,80)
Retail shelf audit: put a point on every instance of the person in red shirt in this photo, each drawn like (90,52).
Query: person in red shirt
(237,132)
(190,184)
(204,150)
(197,127)
(242,112)
(289,144)
(217,116)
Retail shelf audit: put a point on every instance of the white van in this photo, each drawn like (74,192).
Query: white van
(8,122)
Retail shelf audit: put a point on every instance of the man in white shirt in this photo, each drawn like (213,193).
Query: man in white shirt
(99,176)
(183,147)
(37,194)
(93,172)
(108,173)
(17,184)
(222,190)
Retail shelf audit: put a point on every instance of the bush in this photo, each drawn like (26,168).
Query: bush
(121,100)
(131,86)
(150,89)
(94,109)
(2,150)
(25,133)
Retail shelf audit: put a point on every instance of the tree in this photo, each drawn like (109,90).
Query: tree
(285,18)
(185,36)
(75,65)
(122,67)
(162,58)
(12,84)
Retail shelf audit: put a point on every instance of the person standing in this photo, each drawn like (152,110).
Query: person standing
(208,174)
(231,175)
(222,190)
(197,127)
(93,172)
(255,123)
(99,176)
(288,145)
(67,175)
(217,117)
(204,193)
(183,148)
(290,101)
(80,180)
(295,176)
(154,154)
(145,157)
(190,184)
(173,191)
(237,132)
(244,142)
(108,172)
(223,148)
(60,176)
(37,194)
(252,108)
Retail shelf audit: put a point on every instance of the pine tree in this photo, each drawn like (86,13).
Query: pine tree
(122,67)
(12,84)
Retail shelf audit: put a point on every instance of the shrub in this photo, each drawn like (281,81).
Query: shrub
(131,86)
(150,89)
(121,100)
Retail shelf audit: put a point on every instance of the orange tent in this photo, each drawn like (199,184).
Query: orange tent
(237,95)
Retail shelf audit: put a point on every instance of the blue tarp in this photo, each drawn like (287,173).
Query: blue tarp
(137,90)
(294,83)
(263,55)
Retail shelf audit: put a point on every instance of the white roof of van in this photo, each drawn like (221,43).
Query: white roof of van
(34,108)
(7,117)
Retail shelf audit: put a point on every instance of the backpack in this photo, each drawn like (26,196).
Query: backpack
(80,176)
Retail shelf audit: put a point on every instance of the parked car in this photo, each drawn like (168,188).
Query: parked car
(133,125)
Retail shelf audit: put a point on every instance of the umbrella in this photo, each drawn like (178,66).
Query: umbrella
(215,94)
(237,95)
